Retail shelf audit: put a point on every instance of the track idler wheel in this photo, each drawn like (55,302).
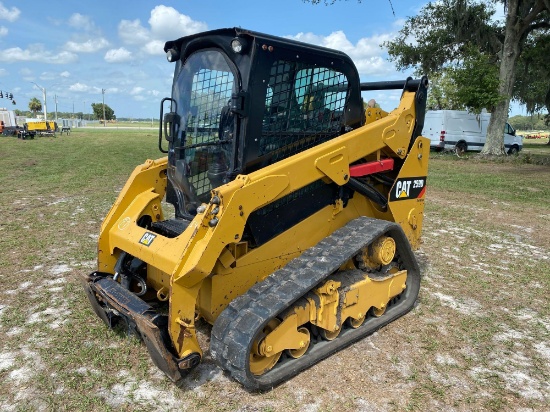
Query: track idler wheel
(329,335)
(378,312)
(259,362)
(298,353)
(355,323)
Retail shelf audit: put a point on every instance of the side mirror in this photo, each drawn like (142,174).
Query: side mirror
(171,125)
(170,120)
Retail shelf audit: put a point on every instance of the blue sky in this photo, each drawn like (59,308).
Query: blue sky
(76,49)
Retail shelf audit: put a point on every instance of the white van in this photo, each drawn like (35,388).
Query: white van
(461,131)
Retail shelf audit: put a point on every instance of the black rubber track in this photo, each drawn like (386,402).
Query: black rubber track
(235,329)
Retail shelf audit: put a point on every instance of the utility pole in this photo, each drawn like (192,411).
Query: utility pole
(44,96)
(55,99)
(104,120)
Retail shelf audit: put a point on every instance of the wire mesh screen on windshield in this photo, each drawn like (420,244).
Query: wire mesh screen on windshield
(210,98)
(304,107)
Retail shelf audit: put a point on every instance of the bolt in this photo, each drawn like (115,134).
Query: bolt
(302,344)
(269,349)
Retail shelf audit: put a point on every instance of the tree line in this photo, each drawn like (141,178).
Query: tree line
(35,107)
(532,122)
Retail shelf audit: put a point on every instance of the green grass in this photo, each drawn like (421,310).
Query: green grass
(508,182)
(54,193)
(87,159)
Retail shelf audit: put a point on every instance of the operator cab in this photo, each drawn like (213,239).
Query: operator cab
(242,100)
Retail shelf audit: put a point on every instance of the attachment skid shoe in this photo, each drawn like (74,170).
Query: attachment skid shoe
(239,334)
(111,302)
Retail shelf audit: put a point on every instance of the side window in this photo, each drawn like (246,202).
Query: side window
(203,91)
(320,91)
(304,106)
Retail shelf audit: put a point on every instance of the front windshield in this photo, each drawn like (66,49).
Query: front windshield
(199,157)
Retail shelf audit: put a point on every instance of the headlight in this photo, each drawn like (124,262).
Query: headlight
(238,45)
(172,55)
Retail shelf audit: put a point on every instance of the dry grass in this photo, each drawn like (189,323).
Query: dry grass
(478,339)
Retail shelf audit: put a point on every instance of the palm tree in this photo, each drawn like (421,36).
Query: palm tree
(35,106)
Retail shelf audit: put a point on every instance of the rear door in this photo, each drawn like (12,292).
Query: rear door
(433,126)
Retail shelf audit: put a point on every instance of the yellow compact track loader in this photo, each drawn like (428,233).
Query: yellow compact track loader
(295,211)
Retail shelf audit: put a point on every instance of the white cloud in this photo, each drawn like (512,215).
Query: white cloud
(154,47)
(65,74)
(48,76)
(79,21)
(3,31)
(137,90)
(369,58)
(165,23)
(89,46)
(132,32)
(37,53)
(3,72)
(117,55)
(80,87)
(9,14)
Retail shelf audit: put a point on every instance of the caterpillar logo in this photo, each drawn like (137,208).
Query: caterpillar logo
(147,238)
(409,188)
(402,189)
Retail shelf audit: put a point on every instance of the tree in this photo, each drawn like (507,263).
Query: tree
(533,74)
(472,86)
(459,35)
(35,106)
(97,109)
(441,93)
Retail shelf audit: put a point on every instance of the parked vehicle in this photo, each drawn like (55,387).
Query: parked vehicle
(462,131)
(41,127)
(8,122)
